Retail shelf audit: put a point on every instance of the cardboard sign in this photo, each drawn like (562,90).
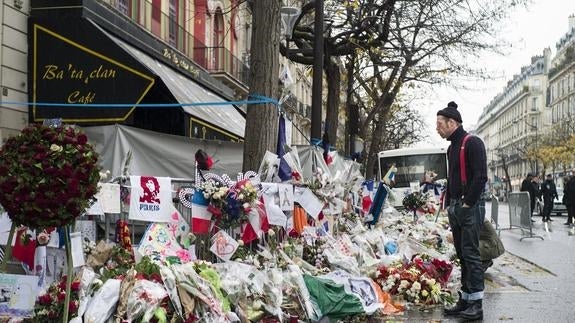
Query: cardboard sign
(307,199)
(223,245)
(18,294)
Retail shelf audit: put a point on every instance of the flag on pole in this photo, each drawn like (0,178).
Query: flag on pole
(367,196)
(201,217)
(284,171)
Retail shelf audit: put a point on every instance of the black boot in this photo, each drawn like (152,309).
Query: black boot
(474,310)
(457,309)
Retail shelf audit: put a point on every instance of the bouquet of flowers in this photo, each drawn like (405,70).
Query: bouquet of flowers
(414,201)
(419,281)
(49,307)
(48,176)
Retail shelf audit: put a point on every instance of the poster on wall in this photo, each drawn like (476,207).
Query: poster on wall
(18,294)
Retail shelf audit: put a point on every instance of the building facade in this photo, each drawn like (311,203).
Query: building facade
(531,106)
(562,78)
(144,52)
(13,67)
(512,123)
(159,61)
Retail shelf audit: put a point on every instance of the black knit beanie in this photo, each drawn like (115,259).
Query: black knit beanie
(450,112)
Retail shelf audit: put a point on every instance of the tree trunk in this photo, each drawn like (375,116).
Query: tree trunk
(348,102)
(333,76)
(370,170)
(262,120)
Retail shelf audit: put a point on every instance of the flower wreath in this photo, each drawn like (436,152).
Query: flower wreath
(48,176)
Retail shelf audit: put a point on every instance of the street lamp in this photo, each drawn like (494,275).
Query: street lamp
(289,16)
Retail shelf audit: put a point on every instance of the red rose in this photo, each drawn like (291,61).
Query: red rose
(76,286)
(82,139)
(44,299)
(73,185)
(40,156)
(156,277)
(73,307)
(61,296)
(66,171)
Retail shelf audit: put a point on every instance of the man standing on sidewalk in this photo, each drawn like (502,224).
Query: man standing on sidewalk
(528,185)
(569,199)
(466,208)
(549,192)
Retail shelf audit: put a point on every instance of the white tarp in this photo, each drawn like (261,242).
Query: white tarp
(163,155)
(158,154)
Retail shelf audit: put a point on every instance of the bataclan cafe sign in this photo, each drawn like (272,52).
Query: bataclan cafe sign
(75,63)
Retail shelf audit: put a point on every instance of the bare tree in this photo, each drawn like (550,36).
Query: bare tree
(351,25)
(428,42)
(264,73)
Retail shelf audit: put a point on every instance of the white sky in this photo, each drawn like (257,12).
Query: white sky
(529,30)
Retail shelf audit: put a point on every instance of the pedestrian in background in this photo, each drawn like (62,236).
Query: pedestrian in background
(569,199)
(549,192)
(466,208)
(537,201)
(528,186)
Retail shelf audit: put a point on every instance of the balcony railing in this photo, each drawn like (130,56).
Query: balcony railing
(213,59)
(221,60)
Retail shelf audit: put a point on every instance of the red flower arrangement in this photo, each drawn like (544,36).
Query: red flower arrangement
(48,176)
(421,281)
(49,307)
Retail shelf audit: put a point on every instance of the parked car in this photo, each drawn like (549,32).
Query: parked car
(558,207)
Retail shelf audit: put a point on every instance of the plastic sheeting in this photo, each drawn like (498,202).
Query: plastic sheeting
(163,155)
(158,154)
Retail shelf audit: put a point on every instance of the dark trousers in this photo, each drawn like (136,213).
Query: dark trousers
(547,208)
(570,213)
(465,225)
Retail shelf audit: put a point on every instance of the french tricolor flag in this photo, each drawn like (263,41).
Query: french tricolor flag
(201,217)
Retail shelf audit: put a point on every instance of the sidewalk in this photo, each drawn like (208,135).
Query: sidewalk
(531,282)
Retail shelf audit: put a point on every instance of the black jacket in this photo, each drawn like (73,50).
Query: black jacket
(548,190)
(475,164)
(569,192)
(529,186)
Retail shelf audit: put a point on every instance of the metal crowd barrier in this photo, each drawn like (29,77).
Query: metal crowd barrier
(495,213)
(520,214)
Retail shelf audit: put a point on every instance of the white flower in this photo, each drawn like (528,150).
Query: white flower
(424,293)
(246,205)
(206,195)
(271,232)
(416,286)
(241,196)
(56,148)
(240,242)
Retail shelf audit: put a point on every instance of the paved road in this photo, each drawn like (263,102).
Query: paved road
(532,282)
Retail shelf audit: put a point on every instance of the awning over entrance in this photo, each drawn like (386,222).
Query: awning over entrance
(71,68)
(187,91)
